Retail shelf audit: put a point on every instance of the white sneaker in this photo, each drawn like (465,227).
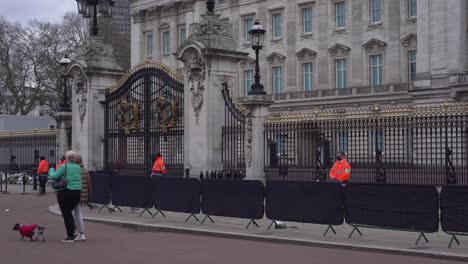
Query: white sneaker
(80,237)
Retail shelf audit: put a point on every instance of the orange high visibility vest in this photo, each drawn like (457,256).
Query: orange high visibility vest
(43,167)
(340,171)
(158,166)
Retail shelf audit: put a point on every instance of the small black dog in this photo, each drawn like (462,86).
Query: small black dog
(33,232)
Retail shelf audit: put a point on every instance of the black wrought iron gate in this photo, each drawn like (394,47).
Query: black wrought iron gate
(233,133)
(144,115)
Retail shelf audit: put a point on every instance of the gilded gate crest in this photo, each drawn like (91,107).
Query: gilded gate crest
(167,111)
(129,114)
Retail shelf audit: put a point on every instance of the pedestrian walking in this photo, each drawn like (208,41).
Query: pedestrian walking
(68,187)
(340,172)
(159,168)
(42,170)
(84,200)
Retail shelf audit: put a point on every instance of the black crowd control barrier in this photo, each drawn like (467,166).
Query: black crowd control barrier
(393,206)
(100,189)
(233,198)
(305,202)
(454,211)
(177,195)
(131,191)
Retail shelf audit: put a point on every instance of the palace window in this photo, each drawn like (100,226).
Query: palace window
(412,8)
(277,79)
(307,76)
(340,15)
(166,42)
(277,26)
(412,65)
(376,69)
(376,10)
(248,23)
(340,73)
(307,20)
(248,80)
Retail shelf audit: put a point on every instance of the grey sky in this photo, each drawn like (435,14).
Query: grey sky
(46,10)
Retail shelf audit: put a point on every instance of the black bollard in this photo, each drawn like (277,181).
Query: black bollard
(187,172)
(1,184)
(201,175)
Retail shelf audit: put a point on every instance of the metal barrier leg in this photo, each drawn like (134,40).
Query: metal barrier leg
(207,216)
(190,216)
(252,221)
(454,238)
(421,236)
(6,184)
(24,185)
(272,222)
(118,208)
(355,229)
(146,210)
(329,228)
(159,212)
(105,206)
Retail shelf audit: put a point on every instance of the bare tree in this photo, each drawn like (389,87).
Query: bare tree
(30,74)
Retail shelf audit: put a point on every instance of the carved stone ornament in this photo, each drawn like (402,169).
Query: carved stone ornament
(129,113)
(196,78)
(95,49)
(80,85)
(249,137)
(210,25)
(167,111)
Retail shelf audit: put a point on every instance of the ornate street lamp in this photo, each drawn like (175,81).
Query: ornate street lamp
(91,8)
(258,36)
(65,106)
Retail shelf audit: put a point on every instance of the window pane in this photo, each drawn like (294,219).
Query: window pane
(248,23)
(376,10)
(307,76)
(183,35)
(277,26)
(380,140)
(376,69)
(248,77)
(277,76)
(307,20)
(343,141)
(412,65)
(149,45)
(340,73)
(166,42)
(340,14)
(412,8)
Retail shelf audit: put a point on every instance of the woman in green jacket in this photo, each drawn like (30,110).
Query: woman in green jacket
(68,197)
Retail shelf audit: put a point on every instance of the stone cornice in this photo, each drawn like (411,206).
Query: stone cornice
(339,48)
(374,45)
(275,58)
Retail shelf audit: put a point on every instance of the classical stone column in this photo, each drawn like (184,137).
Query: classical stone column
(257,112)
(92,73)
(64,124)
(210,58)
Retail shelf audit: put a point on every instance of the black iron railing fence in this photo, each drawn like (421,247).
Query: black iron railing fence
(420,145)
(20,150)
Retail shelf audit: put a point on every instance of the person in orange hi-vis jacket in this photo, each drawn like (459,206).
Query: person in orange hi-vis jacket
(42,171)
(341,169)
(61,161)
(159,168)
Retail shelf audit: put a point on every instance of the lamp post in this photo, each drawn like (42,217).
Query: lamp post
(258,35)
(64,106)
(91,8)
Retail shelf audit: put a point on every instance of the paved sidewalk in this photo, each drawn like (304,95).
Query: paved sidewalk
(377,240)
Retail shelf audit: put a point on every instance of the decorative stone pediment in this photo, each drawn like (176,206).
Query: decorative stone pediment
(410,41)
(248,62)
(374,45)
(339,50)
(306,54)
(276,58)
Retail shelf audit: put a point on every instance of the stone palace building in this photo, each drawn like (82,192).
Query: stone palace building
(327,53)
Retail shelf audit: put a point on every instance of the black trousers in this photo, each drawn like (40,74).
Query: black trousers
(67,200)
(42,182)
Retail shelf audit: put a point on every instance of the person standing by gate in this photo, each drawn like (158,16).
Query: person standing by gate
(42,171)
(159,168)
(341,169)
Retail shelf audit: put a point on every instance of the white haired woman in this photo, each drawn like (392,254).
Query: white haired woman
(68,197)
